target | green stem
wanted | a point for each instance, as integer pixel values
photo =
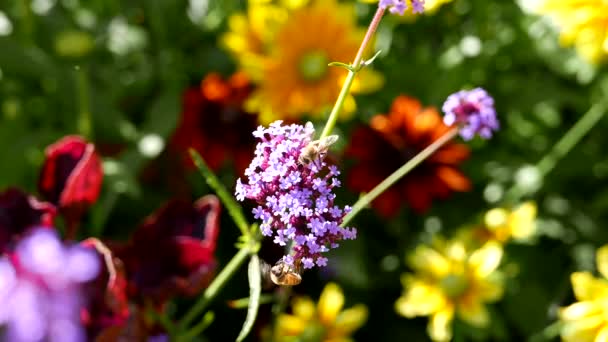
(571, 138)
(365, 200)
(234, 209)
(561, 148)
(214, 288)
(84, 111)
(333, 116)
(197, 328)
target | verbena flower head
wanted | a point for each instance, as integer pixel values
(473, 110)
(400, 6)
(295, 201)
(41, 289)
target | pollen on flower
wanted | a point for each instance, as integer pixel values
(473, 110)
(400, 6)
(295, 201)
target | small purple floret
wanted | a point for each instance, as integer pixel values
(295, 201)
(400, 6)
(473, 110)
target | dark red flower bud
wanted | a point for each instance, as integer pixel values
(19, 212)
(71, 177)
(172, 252)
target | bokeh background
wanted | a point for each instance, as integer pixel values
(117, 71)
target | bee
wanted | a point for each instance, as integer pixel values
(316, 150)
(282, 274)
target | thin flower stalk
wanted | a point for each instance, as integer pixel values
(365, 200)
(561, 148)
(352, 72)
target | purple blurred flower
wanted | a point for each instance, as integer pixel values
(41, 289)
(400, 6)
(295, 201)
(473, 110)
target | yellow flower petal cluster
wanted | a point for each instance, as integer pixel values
(325, 322)
(587, 319)
(450, 281)
(583, 25)
(504, 225)
(285, 48)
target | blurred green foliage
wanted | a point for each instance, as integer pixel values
(115, 71)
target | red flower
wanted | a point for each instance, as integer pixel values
(19, 212)
(172, 252)
(108, 304)
(393, 139)
(215, 124)
(71, 178)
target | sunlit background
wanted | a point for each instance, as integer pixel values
(145, 80)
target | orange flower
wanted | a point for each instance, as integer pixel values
(390, 141)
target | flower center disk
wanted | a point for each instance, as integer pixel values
(313, 66)
(454, 285)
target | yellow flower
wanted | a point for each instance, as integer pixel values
(587, 319)
(503, 225)
(286, 49)
(450, 280)
(583, 24)
(325, 322)
(430, 6)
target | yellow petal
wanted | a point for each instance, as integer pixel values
(580, 310)
(582, 330)
(491, 288)
(440, 325)
(570, 333)
(474, 313)
(428, 260)
(485, 260)
(586, 287)
(349, 108)
(420, 299)
(602, 336)
(303, 307)
(495, 218)
(367, 81)
(601, 259)
(350, 320)
(288, 325)
(522, 221)
(330, 303)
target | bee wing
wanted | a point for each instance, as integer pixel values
(329, 140)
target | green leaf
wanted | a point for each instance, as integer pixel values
(343, 65)
(234, 209)
(242, 303)
(371, 60)
(255, 289)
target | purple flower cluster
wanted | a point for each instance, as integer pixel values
(473, 110)
(295, 201)
(41, 289)
(400, 6)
